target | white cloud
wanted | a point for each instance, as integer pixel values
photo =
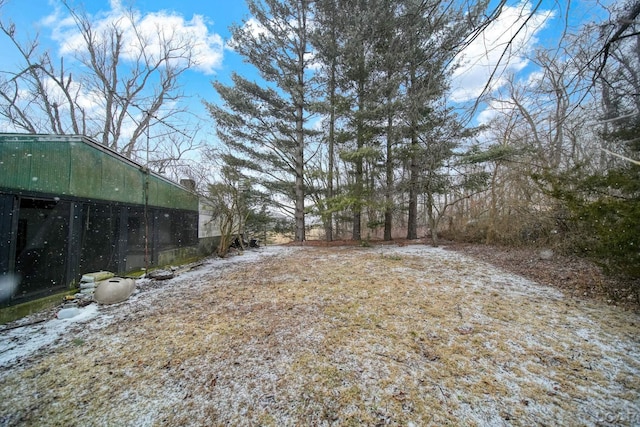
(501, 103)
(510, 31)
(256, 29)
(251, 26)
(494, 109)
(485, 116)
(154, 30)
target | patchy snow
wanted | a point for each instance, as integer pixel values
(408, 335)
(19, 343)
(25, 341)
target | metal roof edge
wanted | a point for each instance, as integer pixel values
(95, 144)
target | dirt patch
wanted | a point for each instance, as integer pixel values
(400, 335)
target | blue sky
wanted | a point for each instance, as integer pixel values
(210, 20)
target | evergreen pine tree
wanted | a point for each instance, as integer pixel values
(263, 123)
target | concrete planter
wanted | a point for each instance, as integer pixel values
(114, 290)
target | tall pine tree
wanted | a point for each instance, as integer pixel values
(263, 123)
(434, 33)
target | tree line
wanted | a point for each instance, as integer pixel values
(349, 121)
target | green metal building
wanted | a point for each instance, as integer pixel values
(70, 206)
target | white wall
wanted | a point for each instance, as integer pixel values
(206, 226)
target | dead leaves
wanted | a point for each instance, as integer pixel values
(575, 276)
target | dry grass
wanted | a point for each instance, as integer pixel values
(339, 336)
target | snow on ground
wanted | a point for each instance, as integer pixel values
(19, 343)
(408, 335)
(23, 342)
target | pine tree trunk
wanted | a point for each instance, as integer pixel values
(356, 232)
(433, 221)
(299, 99)
(300, 190)
(332, 123)
(412, 221)
(388, 210)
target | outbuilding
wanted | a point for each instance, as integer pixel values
(69, 205)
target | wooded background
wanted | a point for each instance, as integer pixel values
(351, 125)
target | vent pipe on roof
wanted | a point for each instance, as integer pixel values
(189, 184)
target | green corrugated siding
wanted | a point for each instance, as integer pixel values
(73, 166)
(36, 166)
(86, 170)
(15, 166)
(133, 180)
(112, 187)
(154, 192)
(183, 198)
(161, 194)
(50, 167)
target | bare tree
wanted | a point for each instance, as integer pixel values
(34, 97)
(120, 83)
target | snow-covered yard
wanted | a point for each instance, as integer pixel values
(282, 336)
